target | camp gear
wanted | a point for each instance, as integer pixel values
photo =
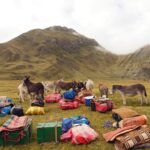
(139, 120)
(110, 136)
(68, 104)
(104, 105)
(17, 110)
(37, 103)
(35, 110)
(88, 100)
(70, 95)
(80, 134)
(53, 98)
(131, 139)
(16, 130)
(124, 112)
(108, 124)
(67, 123)
(93, 106)
(50, 131)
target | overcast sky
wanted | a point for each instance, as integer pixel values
(121, 26)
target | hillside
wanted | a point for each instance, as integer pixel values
(52, 53)
(135, 65)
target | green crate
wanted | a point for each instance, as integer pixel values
(13, 135)
(47, 132)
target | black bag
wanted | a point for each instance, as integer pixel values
(17, 110)
(37, 103)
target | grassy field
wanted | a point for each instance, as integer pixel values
(53, 113)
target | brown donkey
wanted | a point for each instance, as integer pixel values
(131, 90)
(103, 90)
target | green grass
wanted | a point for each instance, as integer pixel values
(53, 113)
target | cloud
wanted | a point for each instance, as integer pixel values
(120, 26)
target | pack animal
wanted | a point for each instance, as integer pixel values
(22, 92)
(62, 85)
(103, 90)
(89, 84)
(36, 88)
(131, 90)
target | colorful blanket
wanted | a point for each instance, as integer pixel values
(15, 123)
(110, 136)
(133, 138)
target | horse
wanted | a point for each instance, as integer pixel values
(62, 85)
(131, 90)
(89, 84)
(103, 90)
(22, 92)
(36, 88)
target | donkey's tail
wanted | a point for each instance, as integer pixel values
(145, 93)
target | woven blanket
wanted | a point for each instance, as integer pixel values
(15, 123)
(133, 138)
(110, 136)
(124, 112)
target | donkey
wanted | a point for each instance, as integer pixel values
(36, 88)
(103, 89)
(131, 90)
(89, 84)
(64, 85)
(22, 92)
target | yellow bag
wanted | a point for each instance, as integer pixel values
(35, 110)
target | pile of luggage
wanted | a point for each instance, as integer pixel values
(16, 130)
(132, 131)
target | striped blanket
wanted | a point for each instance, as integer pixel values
(131, 139)
(15, 123)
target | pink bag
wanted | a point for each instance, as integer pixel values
(80, 134)
(53, 98)
(68, 104)
(104, 106)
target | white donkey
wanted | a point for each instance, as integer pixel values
(23, 92)
(89, 85)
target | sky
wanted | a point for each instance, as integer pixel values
(120, 26)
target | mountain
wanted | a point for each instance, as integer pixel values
(135, 65)
(52, 53)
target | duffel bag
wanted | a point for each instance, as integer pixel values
(104, 106)
(37, 103)
(69, 94)
(17, 111)
(68, 105)
(67, 123)
(53, 98)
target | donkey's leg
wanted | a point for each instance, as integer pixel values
(145, 98)
(124, 99)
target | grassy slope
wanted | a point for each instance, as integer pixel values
(97, 119)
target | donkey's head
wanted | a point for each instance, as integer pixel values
(26, 79)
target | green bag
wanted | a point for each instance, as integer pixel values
(47, 132)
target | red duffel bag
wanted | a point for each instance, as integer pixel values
(68, 104)
(53, 98)
(104, 106)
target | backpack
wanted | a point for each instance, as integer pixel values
(104, 106)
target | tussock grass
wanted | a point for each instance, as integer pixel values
(53, 113)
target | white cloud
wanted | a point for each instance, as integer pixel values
(120, 26)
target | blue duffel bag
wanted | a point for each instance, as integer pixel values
(70, 95)
(67, 123)
(5, 110)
